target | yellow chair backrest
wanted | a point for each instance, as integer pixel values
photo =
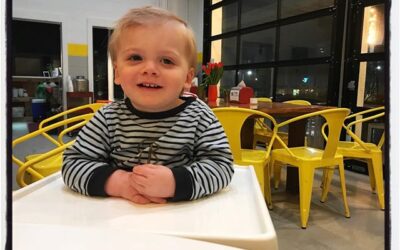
(88, 108)
(76, 121)
(334, 118)
(232, 120)
(81, 115)
(366, 115)
(298, 102)
(264, 99)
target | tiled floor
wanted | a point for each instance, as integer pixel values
(327, 227)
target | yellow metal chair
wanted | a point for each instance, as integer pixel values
(364, 151)
(40, 165)
(285, 138)
(262, 132)
(298, 102)
(307, 159)
(232, 120)
(264, 99)
(84, 109)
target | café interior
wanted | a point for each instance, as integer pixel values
(296, 76)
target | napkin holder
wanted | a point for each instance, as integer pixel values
(241, 95)
(234, 94)
(245, 94)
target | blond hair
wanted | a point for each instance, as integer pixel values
(149, 15)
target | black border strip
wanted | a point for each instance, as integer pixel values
(387, 126)
(8, 20)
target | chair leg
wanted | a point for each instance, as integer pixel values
(378, 175)
(372, 180)
(277, 174)
(344, 191)
(326, 183)
(306, 177)
(267, 186)
(323, 179)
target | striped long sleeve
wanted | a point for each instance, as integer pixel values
(188, 139)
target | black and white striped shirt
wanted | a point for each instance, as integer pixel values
(188, 139)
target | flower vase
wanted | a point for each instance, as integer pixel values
(212, 92)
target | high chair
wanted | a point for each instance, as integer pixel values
(364, 151)
(307, 159)
(40, 165)
(232, 120)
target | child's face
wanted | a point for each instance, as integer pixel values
(152, 66)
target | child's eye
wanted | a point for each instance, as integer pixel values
(166, 61)
(135, 58)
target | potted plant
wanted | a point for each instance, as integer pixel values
(212, 74)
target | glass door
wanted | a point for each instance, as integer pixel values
(103, 77)
(364, 78)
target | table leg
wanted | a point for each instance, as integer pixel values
(296, 138)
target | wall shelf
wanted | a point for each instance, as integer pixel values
(22, 99)
(56, 78)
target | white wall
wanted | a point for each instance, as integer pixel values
(74, 13)
(77, 17)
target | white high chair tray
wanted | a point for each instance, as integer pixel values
(236, 216)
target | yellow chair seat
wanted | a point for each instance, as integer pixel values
(45, 167)
(351, 146)
(299, 154)
(253, 156)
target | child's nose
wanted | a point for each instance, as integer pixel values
(150, 68)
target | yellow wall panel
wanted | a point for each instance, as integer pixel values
(75, 49)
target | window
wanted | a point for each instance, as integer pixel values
(309, 82)
(297, 7)
(308, 39)
(36, 47)
(257, 12)
(257, 46)
(276, 46)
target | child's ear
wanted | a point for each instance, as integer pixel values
(116, 74)
(189, 78)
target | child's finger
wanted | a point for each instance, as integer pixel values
(140, 199)
(141, 170)
(139, 179)
(157, 200)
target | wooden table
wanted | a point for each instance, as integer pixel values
(277, 110)
(236, 216)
